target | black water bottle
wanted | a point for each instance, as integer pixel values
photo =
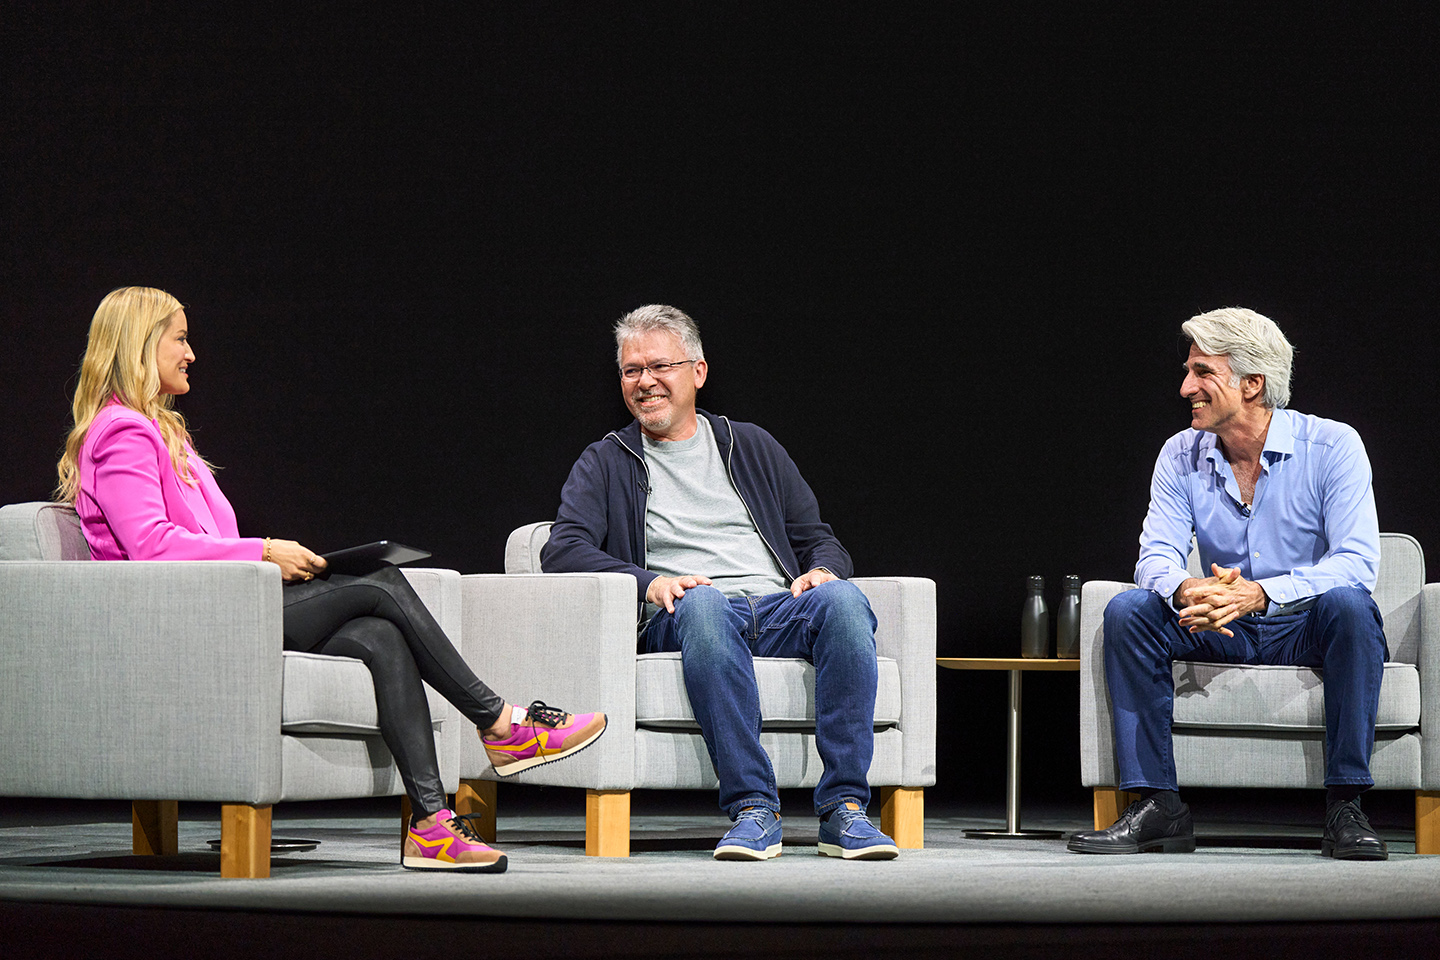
(1067, 620)
(1034, 620)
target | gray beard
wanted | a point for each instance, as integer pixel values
(658, 422)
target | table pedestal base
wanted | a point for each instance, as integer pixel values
(1014, 834)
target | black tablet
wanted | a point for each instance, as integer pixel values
(369, 557)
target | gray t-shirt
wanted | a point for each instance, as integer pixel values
(696, 523)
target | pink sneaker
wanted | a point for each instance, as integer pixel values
(452, 844)
(540, 735)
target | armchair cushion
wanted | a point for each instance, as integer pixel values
(522, 548)
(1217, 695)
(677, 760)
(41, 531)
(325, 694)
(787, 693)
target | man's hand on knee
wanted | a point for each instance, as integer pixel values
(812, 579)
(664, 591)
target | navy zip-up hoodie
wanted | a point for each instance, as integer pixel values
(601, 523)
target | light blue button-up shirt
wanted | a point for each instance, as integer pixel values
(1311, 528)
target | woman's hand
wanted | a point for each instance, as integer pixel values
(295, 561)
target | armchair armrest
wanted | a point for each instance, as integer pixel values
(115, 678)
(439, 590)
(1429, 664)
(905, 610)
(567, 639)
(1097, 733)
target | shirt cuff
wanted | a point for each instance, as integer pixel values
(1281, 591)
(1168, 584)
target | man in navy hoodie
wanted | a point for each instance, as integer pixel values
(732, 562)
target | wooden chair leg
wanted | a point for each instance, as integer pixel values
(155, 827)
(477, 798)
(1109, 804)
(244, 840)
(1427, 821)
(902, 816)
(607, 823)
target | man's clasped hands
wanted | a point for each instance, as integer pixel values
(1211, 602)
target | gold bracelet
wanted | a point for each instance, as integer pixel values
(266, 555)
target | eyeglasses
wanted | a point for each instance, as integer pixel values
(657, 370)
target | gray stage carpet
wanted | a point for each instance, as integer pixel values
(1238, 875)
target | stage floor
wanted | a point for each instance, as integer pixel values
(1244, 871)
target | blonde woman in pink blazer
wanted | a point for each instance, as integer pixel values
(143, 493)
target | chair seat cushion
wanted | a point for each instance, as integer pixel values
(787, 693)
(333, 695)
(1219, 695)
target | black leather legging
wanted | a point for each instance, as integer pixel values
(379, 619)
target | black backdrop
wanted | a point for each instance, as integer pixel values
(943, 258)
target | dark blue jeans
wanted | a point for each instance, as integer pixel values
(1342, 635)
(833, 627)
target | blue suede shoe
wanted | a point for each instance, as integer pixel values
(848, 833)
(754, 836)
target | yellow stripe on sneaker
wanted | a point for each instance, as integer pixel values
(516, 748)
(443, 842)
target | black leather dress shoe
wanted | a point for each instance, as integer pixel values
(1349, 836)
(1144, 827)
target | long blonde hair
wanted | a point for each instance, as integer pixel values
(120, 362)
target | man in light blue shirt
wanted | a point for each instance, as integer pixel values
(1281, 508)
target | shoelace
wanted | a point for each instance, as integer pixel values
(463, 824)
(546, 714)
(757, 814)
(1133, 811)
(1346, 812)
(848, 816)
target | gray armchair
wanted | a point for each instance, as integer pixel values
(159, 682)
(1264, 726)
(570, 638)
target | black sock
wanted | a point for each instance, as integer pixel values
(1343, 793)
(1169, 800)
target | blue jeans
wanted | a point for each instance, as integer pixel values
(718, 637)
(1342, 635)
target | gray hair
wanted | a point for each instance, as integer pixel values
(657, 316)
(1254, 345)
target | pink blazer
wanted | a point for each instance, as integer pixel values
(133, 506)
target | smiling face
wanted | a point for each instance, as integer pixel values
(665, 406)
(1214, 402)
(173, 355)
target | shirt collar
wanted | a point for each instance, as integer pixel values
(1279, 439)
